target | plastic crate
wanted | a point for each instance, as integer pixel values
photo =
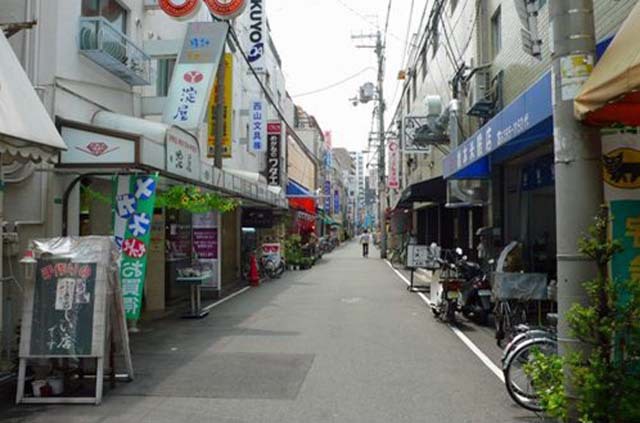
(519, 286)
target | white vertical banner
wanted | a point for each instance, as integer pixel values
(393, 155)
(257, 143)
(256, 37)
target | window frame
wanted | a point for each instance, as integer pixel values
(100, 4)
(496, 32)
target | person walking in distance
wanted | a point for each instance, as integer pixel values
(364, 240)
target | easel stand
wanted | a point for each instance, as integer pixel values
(73, 312)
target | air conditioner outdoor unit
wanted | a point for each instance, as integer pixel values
(479, 98)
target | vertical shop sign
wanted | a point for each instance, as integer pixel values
(328, 157)
(327, 196)
(626, 229)
(258, 115)
(135, 199)
(206, 245)
(183, 153)
(226, 113)
(336, 201)
(194, 73)
(256, 38)
(393, 151)
(274, 138)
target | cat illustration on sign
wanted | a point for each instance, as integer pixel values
(621, 170)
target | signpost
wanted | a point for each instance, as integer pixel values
(73, 308)
(422, 257)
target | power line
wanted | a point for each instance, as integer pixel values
(364, 18)
(335, 84)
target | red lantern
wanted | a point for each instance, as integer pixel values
(181, 9)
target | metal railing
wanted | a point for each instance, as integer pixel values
(104, 44)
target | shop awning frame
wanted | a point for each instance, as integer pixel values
(611, 94)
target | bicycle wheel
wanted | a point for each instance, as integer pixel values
(518, 383)
(524, 336)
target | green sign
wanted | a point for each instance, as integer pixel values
(63, 306)
(134, 201)
(626, 229)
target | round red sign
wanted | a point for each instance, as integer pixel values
(179, 8)
(193, 77)
(226, 9)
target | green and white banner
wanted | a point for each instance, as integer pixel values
(134, 202)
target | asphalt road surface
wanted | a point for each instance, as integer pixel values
(342, 342)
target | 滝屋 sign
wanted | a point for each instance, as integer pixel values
(258, 125)
(134, 201)
(274, 140)
(256, 35)
(194, 73)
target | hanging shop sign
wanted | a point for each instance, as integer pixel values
(258, 125)
(410, 128)
(226, 113)
(206, 245)
(183, 153)
(134, 200)
(393, 153)
(256, 35)
(327, 196)
(194, 73)
(226, 9)
(336, 201)
(328, 156)
(274, 163)
(180, 9)
(94, 147)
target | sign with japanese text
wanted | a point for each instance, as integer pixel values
(226, 113)
(274, 141)
(328, 156)
(91, 147)
(63, 308)
(183, 153)
(226, 9)
(393, 153)
(327, 196)
(256, 35)
(206, 245)
(257, 131)
(626, 229)
(134, 203)
(336, 201)
(194, 74)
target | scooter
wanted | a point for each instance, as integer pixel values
(475, 295)
(446, 305)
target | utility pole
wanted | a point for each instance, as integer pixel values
(579, 187)
(382, 195)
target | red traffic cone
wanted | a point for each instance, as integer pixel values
(254, 277)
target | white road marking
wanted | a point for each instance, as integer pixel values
(217, 303)
(473, 347)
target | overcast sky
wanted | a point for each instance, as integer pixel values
(313, 38)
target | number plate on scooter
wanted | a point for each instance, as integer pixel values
(452, 295)
(484, 292)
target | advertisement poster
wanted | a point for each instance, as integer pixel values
(206, 245)
(134, 203)
(63, 301)
(228, 109)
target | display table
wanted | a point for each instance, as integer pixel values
(195, 282)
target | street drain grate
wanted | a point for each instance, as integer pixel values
(223, 375)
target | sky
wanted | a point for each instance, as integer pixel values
(313, 38)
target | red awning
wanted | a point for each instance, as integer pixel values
(305, 204)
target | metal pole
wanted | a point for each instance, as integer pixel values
(381, 149)
(579, 187)
(219, 110)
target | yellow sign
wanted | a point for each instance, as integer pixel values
(228, 110)
(622, 168)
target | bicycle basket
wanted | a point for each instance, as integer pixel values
(519, 286)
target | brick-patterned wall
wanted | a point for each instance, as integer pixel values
(520, 70)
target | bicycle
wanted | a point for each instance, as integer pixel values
(509, 314)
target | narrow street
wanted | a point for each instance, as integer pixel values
(342, 342)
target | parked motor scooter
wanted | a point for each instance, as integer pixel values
(446, 304)
(475, 295)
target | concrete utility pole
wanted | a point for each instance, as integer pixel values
(382, 195)
(579, 187)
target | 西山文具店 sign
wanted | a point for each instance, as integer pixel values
(394, 164)
(194, 73)
(256, 35)
(183, 153)
(274, 140)
(134, 202)
(226, 113)
(258, 122)
(185, 9)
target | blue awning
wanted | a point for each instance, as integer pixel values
(295, 190)
(524, 124)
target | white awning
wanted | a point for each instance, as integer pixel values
(26, 130)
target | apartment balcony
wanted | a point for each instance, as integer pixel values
(110, 48)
